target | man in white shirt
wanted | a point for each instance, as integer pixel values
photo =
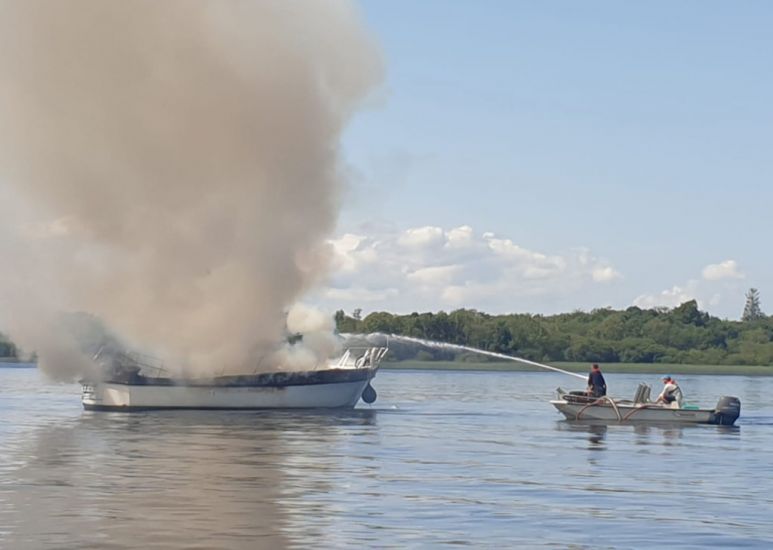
(671, 394)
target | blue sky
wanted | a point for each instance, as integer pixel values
(628, 137)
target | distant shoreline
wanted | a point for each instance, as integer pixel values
(615, 368)
(15, 363)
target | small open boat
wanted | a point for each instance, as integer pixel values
(129, 382)
(580, 406)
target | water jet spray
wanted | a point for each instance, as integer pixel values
(459, 347)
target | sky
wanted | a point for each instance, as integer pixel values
(544, 157)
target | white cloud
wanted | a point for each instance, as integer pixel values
(671, 297)
(348, 254)
(723, 270)
(430, 268)
(459, 237)
(454, 295)
(603, 274)
(530, 265)
(439, 275)
(719, 290)
(360, 294)
(421, 236)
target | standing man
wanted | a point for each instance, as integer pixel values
(597, 386)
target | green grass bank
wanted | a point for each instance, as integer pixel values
(633, 368)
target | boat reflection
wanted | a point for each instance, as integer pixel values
(597, 432)
(174, 479)
(644, 434)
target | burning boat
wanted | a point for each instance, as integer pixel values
(131, 382)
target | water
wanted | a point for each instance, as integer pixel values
(442, 458)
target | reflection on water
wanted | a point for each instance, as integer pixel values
(596, 431)
(596, 437)
(443, 459)
(155, 478)
(666, 433)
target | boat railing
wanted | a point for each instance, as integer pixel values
(153, 367)
(148, 365)
(362, 357)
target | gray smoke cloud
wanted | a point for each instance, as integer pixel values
(171, 167)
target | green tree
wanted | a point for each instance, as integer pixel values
(752, 310)
(7, 347)
(680, 335)
(381, 321)
(339, 317)
(346, 324)
(688, 313)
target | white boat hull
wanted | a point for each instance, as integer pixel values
(123, 397)
(634, 413)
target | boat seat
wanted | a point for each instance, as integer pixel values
(643, 392)
(578, 398)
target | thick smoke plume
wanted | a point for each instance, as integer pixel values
(171, 167)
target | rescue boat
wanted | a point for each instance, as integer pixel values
(579, 406)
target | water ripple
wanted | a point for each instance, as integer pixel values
(444, 459)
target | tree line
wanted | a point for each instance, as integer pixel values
(7, 348)
(683, 334)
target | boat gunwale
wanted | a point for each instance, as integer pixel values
(337, 375)
(677, 416)
(631, 406)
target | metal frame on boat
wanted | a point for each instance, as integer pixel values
(131, 382)
(578, 406)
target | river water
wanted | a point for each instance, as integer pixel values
(442, 458)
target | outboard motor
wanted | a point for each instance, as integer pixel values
(728, 409)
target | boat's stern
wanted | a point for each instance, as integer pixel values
(101, 395)
(92, 395)
(89, 392)
(727, 411)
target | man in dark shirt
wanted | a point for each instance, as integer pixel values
(597, 386)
